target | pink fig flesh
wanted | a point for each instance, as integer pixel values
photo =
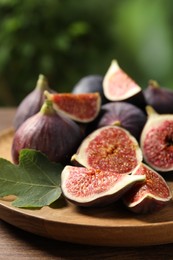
(149, 196)
(110, 148)
(90, 187)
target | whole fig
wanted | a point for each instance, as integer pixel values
(124, 114)
(47, 131)
(90, 84)
(160, 98)
(32, 103)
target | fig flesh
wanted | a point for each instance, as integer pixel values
(32, 103)
(82, 108)
(56, 136)
(150, 195)
(90, 84)
(156, 141)
(160, 98)
(126, 115)
(117, 85)
(90, 187)
(110, 148)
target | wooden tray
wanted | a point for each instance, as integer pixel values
(110, 226)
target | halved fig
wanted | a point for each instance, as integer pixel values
(117, 85)
(80, 107)
(90, 187)
(150, 195)
(110, 148)
(156, 141)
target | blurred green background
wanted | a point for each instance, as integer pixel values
(68, 39)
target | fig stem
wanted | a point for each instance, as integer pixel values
(150, 111)
(153, 83)
(47, 108)
(116, 123)
(48, 95)
(42, 82)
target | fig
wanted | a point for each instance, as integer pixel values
(160, 98)
(90, 187)
(49, 132)
(150, 195)
(119, 86)
(109, 148)
(90, 84)
(81, 108)
(32, 103)
(156, 141)
(124, 114)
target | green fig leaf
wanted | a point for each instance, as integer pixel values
(35, 181)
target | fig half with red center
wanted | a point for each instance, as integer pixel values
(156, 141)
(82, 108)
(110, 148)
(160, 98)
(90, 187)
(150, 195)
(119, 86)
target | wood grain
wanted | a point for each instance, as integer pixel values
(108, 226)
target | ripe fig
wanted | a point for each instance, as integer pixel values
(90, 84)
(82, 108)
(32, 103)
(109, 148)
(149, 195)
(156, 141)
(125, 114)
(160, 98)
(119, 86)
(90, 187)
(49, 132)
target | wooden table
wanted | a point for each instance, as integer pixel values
(18, 244)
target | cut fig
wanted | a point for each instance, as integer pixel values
(160, 98)
(90, 187)
(156, 141)
(110, 148)
(150, 195)
(117, 85)
(125, 114)
(79, 107)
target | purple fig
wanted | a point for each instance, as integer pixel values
(124, 114)
(32, 103)
(90, 187)
(49, 132)
(90, 84)
(160, 98)
(150, 195)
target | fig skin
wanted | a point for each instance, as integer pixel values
(156, 141)
(124, 114)
(160, 98)
(89, 187)
(150, 195)
(32, 103)
(90, 84)
(47, 131)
